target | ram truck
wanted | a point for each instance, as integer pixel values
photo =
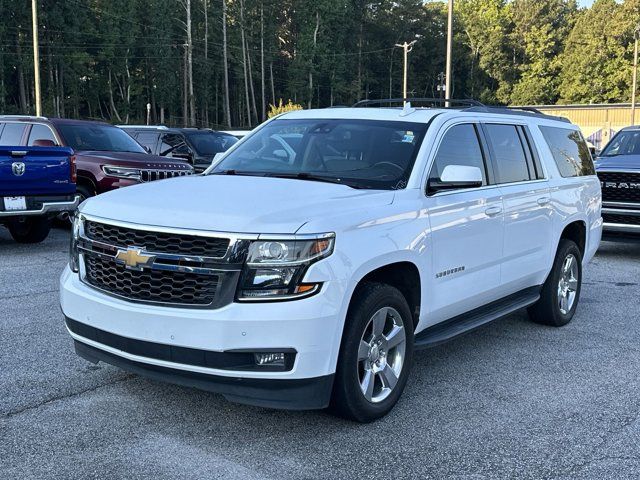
(36, 184)
(306, 277)
(618, 168)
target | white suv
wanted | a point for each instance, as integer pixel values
(306, 265)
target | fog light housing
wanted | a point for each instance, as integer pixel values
(270, 359)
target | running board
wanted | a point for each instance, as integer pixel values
(456, 326)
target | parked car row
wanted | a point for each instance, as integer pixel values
(93, 157)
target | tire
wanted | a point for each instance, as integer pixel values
(551, 309)
(378, 361)
(31, 230)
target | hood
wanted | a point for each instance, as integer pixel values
(138, 160)
(618, 162)
(238, 204)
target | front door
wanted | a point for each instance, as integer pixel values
(466, 230)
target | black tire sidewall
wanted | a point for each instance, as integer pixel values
(31, 230)
(348, 399)
(547, 310)
(567, 247)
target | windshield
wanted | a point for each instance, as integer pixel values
(358, 153)
(99, 137)
(210, 143)
(624, 143)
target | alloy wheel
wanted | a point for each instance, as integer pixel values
(381, 354)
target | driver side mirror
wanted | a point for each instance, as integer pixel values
(455, 177)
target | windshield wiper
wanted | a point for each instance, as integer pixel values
(232, 171)
(309, 176)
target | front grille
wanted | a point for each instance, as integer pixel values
(157, 241)
(620, 186)
(151, 285)
(623, 219)
(153, 175)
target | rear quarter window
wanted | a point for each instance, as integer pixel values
(569, 150)
(12, 134)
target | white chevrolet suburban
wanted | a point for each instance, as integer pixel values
(304, 267)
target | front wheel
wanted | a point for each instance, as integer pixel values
(375, 355)
(560, 293)
(30, 230)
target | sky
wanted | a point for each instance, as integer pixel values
(585, 3)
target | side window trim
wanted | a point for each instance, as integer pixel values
(533, 173)
(483, 152)
(541, 174)
(493, 153)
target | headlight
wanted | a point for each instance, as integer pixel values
(73, 246)
(122, 172)
(274, 268)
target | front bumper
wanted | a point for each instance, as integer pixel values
(300, 394)
(310, 327)
(45, 208)
(621, 219)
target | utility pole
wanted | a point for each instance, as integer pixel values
(36, 57)
(407, 47)
(636, 35)
(449, 78)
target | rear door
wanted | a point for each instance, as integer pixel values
(528, 215)
(466, 229)
(35, 171)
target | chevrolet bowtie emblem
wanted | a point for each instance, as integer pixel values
(134, 258)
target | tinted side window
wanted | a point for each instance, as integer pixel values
(508, 151)
(148, 139)
(41, 132)
(459, 146)
(569, 150)
(12, 134)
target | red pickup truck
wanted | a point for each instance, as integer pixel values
(106, 157)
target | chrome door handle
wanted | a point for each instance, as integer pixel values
(544, 200)
(493, 211)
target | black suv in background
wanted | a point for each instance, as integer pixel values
(618, 168)
(198, 146)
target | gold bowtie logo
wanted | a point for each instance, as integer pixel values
(133, 258)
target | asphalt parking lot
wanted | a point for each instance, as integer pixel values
(511, 400)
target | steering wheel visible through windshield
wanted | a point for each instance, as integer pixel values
(358, 153)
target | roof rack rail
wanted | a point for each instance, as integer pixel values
(24, 116)
(523, 111)
(435, 102)
(150, 127)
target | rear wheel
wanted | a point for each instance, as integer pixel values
(30, 230)
(561, 292)
(375, 355)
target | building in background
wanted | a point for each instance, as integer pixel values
(598, 122)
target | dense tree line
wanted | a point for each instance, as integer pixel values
(222, 62)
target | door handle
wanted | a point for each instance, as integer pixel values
(493, 211)
(543, 201)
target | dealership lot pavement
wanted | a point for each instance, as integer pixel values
(511, 400)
